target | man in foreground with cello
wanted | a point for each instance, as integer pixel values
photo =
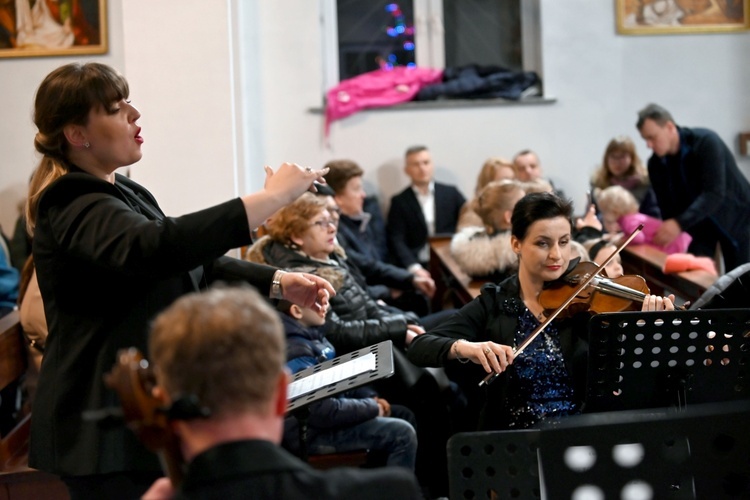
(226, 348)
(540, 372)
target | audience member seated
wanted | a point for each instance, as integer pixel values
(225, 347)
(599, 251)
(547, 380)
(8, 280)
(494, 169)
(20, 243)
(423, 209)
(353, 420)
(623, 167)
(33, 323)
(577, 250)
(394, 285)
(619, 212)
(302, 235)
(529, 169)
(344, 177)
(484, 252)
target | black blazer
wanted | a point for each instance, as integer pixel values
(108, 261)
(407, 228)
(261, 469)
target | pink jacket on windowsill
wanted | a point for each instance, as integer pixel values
(375, 89)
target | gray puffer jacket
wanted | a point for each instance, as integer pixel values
(354, 319)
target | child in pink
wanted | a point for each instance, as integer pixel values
(619, 210)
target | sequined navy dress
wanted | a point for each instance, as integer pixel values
(539, 385)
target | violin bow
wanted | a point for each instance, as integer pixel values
(528, 340)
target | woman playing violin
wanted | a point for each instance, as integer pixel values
(547, 379)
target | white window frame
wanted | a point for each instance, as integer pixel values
(428, 37)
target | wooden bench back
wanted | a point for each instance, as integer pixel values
(13, 365)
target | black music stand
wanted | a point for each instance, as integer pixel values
(671, 358)
(336, 375)
(494, 464)
(695, 453)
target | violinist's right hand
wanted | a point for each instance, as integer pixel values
(493, 357)
(162, 489)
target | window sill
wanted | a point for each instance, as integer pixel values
(455, 103)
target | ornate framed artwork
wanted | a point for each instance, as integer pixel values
(646, 17)
(34, 28)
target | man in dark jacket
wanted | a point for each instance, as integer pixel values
(423, 209)
(394, 285)
(698, 186)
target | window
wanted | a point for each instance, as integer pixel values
(363, 35)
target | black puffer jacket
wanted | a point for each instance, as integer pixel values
(354, 320)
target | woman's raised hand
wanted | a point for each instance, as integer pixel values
(290, 180)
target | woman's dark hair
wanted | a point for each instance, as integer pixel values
(538, 206)
(66, 96)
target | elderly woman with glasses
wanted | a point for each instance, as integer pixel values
(302, 235)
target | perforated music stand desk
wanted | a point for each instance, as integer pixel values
(341, 374)
(672, 358)
(696, 453)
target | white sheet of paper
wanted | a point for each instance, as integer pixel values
(332, 375)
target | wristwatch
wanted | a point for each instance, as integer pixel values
(276, 291)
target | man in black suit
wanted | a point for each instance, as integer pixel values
(226, 348)
(423, 209)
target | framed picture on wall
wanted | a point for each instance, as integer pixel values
(646, 17)
(34, 28)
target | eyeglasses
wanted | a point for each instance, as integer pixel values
(323, 224)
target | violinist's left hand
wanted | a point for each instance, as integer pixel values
(657, 303)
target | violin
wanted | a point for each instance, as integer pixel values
(134, 380)
(600, 295)
(586, 288)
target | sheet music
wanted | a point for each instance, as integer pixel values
(351, 368)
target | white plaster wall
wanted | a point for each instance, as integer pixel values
(179, 62)
(19, 79)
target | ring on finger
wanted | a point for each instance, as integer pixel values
(487, 350)
(308, 169)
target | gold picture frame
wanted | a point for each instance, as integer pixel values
(666, 17)
(40, 28)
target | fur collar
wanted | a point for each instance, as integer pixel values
(480, 254)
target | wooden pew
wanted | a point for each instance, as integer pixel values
(454, 287)
(648, 262)
(17, 480)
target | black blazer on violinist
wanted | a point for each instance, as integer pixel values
(108, 261)
(493, 316)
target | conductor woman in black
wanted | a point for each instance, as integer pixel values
(108, 260)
